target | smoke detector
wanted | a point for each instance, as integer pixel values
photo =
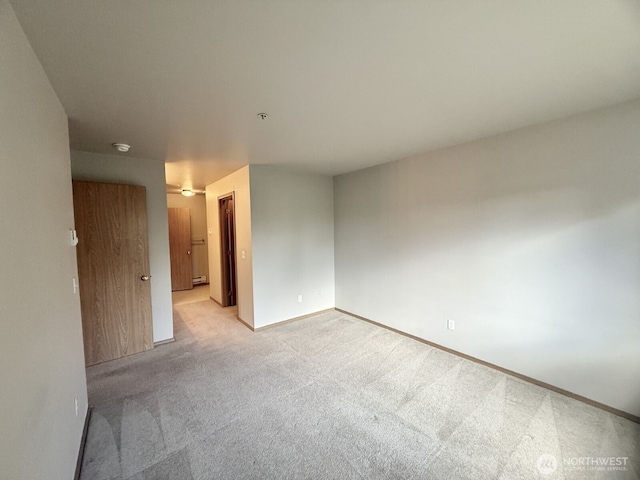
(263, 116)
(121, 147)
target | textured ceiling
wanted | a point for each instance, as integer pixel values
(347, 84)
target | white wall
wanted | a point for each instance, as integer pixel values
(198, 211)
(237, 182)
(41, 349)
(529, 240)
(150, 174)
(292, 237)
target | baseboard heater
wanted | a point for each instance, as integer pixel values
(199, 280)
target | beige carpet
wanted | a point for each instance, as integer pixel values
(199, 293)
(332, 397)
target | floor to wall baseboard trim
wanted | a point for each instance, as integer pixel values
(539, 383)
(294, 319)
(163, 342)
(216, 301)
(83, 441)
(250, 327)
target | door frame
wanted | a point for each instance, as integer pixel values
(225, 268)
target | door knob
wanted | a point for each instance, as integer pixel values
(145, 278)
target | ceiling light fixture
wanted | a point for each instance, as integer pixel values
(188, 193)
(121, 147)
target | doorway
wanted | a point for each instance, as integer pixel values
(226, 213)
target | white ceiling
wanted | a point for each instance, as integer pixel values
(347, 83)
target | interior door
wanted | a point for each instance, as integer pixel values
(113, 269)
(228, 250)
(180, 249)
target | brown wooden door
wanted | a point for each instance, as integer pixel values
(180, 249)
(228, 250)
(113, 269)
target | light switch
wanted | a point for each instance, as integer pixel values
(243, 255)
(75, 285)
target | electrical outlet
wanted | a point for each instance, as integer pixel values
(76, 402)
(299, 298)
(451, 324)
